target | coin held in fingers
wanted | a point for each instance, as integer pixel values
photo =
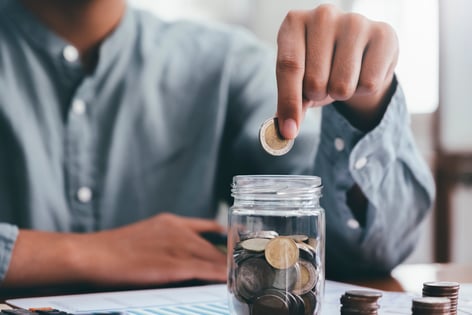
(271, 139)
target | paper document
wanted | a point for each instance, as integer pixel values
(201, 300)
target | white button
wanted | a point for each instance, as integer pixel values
(79, 107)
(353, 224)
(339, 144)
(84, 194)
(70, 53)
(361, 163)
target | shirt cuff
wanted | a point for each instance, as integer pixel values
(362, 157)
(378, 148)
(8, 235)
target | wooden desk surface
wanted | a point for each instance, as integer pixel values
(411, 277)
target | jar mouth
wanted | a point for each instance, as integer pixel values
(276, 187)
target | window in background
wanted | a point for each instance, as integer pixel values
(417, 25)
(213, 10)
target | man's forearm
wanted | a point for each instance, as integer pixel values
(140, 254)
(45, 258)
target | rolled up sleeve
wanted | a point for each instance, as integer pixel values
(393, 176)
(8, 235)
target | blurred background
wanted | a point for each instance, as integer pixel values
(435, 72)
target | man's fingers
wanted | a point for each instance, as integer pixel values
(204, 250)
(176, 270)
(351, 40)
(290, 70)
(205, 270)
(319, 52)
(379, 61)
(187, 238)
(202, 225)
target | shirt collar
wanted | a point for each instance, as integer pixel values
(45, 39)
(35, 31)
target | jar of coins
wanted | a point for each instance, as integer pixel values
(276, 243)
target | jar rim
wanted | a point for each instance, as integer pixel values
(277, 186)
(314, 180)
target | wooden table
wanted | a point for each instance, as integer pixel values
(411, 277)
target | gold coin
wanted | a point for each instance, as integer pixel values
(271, 139)
(255, 244)
(308, 278)
(282, 252)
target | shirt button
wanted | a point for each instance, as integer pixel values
(79, 107)
(361, 163)
(353, 224)
(84, 194)
(70, 53)
(339, 144)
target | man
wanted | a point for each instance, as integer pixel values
(120, 134)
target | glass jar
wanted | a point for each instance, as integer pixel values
(276, 245)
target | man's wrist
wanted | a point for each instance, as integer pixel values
(366, 112)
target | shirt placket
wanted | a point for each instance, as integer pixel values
(78, 150)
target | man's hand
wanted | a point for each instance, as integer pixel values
(157, 251)
(164, 249)
(326, 55)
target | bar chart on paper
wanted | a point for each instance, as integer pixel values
(197, 309)
(209, 300)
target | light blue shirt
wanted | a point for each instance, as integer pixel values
(170, 114)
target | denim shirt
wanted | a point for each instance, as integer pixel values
(169, 115)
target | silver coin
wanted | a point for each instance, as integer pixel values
(286, 279)
(255, 244)
(308, 253)
(299, 238)
(258, 234)
(271, 139)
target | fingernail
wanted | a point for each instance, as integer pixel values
(290, 129)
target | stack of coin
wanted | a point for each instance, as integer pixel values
(431, 306)
(443, 289)
(275, 275)
(360, 302)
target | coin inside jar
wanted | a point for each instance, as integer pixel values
(271, 139)
(308, 278)
(253, 276)
(255, 244)
(286, 279)
(310, 303)
(282, 252)
(258, 234)
(274, 303)
(299, 238)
